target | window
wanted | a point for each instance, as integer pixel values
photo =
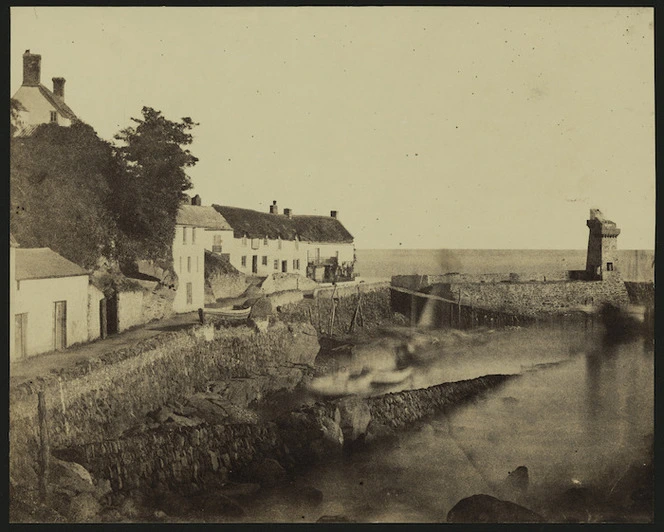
(244, 240)
(264, 260)
(609, 266)
(193, 235)
(189, 264)
(297, 264)
(54, 117)
(279, 243)
(255, 243)
(244, 261)
(216, 244)
(184, 235)
(265, 241)
(276, 264)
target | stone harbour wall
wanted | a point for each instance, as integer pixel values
(531, 299)
(105, 396)
(184, 454)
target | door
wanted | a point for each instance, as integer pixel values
(254, 264)
(112, 314)
(60, 326)
(21, 335)
(190, 294)
(103, 331)
(284, 266)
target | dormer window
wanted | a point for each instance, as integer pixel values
(265, 241)
(54, 117)
(244, 240)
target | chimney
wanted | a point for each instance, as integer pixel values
(59, 88)
(288, 213)
(334, 214)
(196, 200)
(273, 208)
(31, 68)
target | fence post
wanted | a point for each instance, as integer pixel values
(44, 445)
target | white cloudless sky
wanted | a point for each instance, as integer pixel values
(425, 127)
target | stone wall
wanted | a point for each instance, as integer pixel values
(183, 454)
(532, 299)
(225, 285)
(103, 397)
(130, 309)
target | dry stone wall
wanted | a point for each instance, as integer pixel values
(184, 454)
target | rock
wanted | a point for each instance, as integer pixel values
(487, 509)
(261, 309)
(160, 515)
(173, 504)
(70, 476)
(355, 416)
(130, 508)
(575, 505)
(83, 508)
(269, 472)
(102, 488)
(518, 479)
(261, 324)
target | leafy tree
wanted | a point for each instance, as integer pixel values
(146, 196)
(15, 108)
(59, 188)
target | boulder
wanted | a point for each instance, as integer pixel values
(83, 508)
(488, 509)
(70, 476)
(355, 417)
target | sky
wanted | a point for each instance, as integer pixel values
(425, 127)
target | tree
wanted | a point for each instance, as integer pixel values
(15, 108)
(146, 197)
(59, 188)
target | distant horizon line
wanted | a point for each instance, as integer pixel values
(492, 249)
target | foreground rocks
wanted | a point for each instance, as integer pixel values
(488, 509)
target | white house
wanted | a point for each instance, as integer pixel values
(194, 229)
(318, 247)
(40, 105)
(50, 302)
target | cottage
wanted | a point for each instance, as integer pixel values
(37, 104)
(50, 301)
(262, 243)
(196, 229)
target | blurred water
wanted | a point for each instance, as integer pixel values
(579, 422)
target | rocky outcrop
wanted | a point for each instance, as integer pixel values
(488, 509)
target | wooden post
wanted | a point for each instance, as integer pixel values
(334, 309)
(44, 445)
(459, 309)
(413, 310)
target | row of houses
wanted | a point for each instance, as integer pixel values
(54, 303)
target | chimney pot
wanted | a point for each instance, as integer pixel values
(196, 200)
(288, 213)
(31, 68)
(273, 208)
(59, 88)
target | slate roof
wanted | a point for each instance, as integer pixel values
(257, 224)
(44, 263)
(201, 216)
(12, 241)
(56, 102)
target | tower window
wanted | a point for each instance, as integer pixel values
(54, 116)
(609, 266)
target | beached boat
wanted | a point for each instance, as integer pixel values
(229, 312)
(391, 376)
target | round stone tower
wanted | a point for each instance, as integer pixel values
(602, 260)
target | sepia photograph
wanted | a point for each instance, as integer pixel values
(331, 264)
